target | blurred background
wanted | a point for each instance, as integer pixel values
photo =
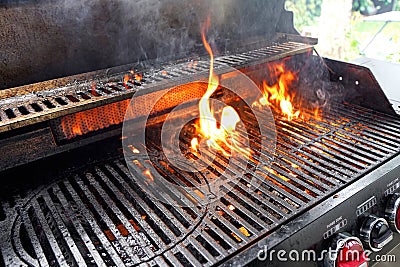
(350, 29)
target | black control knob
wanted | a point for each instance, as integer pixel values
(375, 233)
(392, 212)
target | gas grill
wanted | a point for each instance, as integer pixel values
(78, 190)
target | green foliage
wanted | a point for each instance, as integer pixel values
(371, 7)
(306, 12)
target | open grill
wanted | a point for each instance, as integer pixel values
(95, 210)
(101, 216)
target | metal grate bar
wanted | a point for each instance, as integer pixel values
(209, 258)
(370, 146)
(167, 188)
(105, 217)
(62, 228)
(94, 225)
(168, 255)
(274, 213)
(52, 241)
(139, 221)
(312, 144)
(126, 172)
(210, 244)
(260, 177)
(373, 134)
(367, 124)
(292, 159)
(252, 224)
(132, 200)
(121, 216)
(89, 243)
(42, 260)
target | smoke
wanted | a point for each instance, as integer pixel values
(124, 31)
(314, 87)
(56, 38)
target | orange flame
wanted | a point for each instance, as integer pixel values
(195, 144)
(279, 97)
(220, 137)
(127, 78)
(138, 77)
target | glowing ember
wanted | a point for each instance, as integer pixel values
(134, 149)
(221, 137)
(93, 88)
(127, 78)
(138, 77)
(244, 231)
(149, 175)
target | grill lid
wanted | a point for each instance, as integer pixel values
(42, 40)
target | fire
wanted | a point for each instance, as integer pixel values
(195, 144)
(134, 149)
(138, 77)
(280, 98)
(219, 136)
(132, 77)
(127, 78)
(277, 95)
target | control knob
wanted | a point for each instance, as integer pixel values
(375, 233)
(392, 212)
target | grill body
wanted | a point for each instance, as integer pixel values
(71, 198)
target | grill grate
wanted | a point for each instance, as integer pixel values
(102, 216)
(22, 110)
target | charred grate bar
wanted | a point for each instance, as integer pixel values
(18, 110)
(102, 216)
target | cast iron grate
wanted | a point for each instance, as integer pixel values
(101, 216)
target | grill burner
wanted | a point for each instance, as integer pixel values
(101, 216)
